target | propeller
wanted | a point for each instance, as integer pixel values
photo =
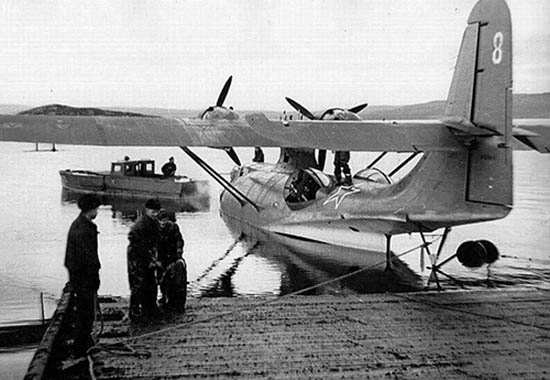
(229, 114)
(221, 98)
(349, 114)
(233, 155)
(358, 108)
(224, 92)
(300, 108)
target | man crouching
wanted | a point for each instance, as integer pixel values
(172, 274)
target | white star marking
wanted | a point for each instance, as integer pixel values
(339, 195)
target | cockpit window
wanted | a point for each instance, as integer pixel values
(321, 178)
(373, 175)
(303, 185)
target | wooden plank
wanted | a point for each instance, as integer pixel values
(481, 334)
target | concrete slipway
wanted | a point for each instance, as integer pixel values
(484, 334)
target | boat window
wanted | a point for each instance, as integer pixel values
(147, 169)
(116, 169)
(303, 185)
(128, 169)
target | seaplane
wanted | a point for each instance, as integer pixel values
(464, 174)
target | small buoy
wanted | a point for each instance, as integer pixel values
(492, 251)
(471, 254)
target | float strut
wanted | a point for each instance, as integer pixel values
(388, 253)
(436, 267)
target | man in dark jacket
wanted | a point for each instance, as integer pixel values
(169, 168)
(82, 262)
(142, 262)
(341, 164)
(170, 250)
(258, 155)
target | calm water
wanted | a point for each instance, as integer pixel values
(35, 220)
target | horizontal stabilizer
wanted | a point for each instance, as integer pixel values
(535, 134)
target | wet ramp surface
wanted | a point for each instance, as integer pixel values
(453, 335)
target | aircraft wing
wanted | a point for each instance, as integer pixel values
(256, 130)
(396, 136)
(129, 131)
(533, 133)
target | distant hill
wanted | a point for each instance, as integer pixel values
(526, 106)
(531, 106)
(60, 109)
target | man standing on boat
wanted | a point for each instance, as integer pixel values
(169, 168)
(82, 262)
(142, 262)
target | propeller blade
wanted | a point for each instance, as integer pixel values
(358, 108)
(231, 153)
(209, 109)
(298, 107)
(224, 92)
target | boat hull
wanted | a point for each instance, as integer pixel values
(187, 194)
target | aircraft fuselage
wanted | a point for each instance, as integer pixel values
(431, 196)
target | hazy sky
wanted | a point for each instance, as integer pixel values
(179, 53)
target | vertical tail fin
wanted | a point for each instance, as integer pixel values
(481, 96)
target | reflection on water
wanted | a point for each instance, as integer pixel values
(130, 209)
(36, 220)
(298, 272)
(295, 271)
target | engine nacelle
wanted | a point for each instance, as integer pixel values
(474, 254)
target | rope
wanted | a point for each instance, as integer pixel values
(266, 302)
(490, 316)
(128, 350)
(542, 261)
(217, 261)
(91, 366)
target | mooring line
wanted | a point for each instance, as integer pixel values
(490, 316)
(530, 259)
(263, 303)
(219, 260)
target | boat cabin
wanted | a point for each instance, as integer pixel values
(133, 168)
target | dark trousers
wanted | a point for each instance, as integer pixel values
(341, 160)
(85, 304)
(174, 285)
(143, 297)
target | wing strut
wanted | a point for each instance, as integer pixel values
(405, 162)
(377, 159)
(239, 196)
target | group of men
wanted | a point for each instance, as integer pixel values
(154, 257)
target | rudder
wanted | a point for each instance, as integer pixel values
(480, 99)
